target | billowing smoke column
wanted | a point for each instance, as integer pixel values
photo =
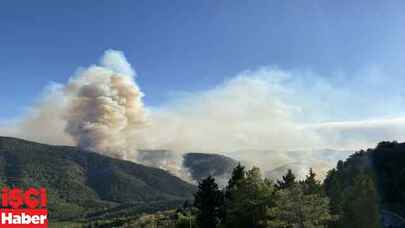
(105, 107)
(99, 109)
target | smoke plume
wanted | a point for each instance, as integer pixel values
(99, 109)
(104, 107)
(264, 117)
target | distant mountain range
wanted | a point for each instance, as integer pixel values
(82, 183)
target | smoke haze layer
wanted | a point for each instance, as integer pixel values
(265, 117)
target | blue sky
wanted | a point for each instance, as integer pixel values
(196, 45)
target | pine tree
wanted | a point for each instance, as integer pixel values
(238, 174)
(333, 187)
(250, 201)
(361, 207)
(287, 181)
(311, 184)
(296, 209)
(209, 201)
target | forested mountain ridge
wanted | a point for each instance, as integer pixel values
(81, 182)
(202, 165)
(377, 175)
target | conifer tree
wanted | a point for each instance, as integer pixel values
(334, 189)
(361, 207)
(295, 209)
(238, 174)
(287, 181)
(209, 202)
(249, 203)
(311, 184)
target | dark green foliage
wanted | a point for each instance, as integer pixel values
(311, 184)
(250, 198)
(352, 192)
(208, 200)
(334, 190)
(80, 182)
(234, 182)
(254, 203)
(361, 209)
(388, 162)
(287, 180)
(295, 208)
(238, 175)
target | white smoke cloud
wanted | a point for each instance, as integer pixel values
(104, 107)
(264, 117)
(99, 109)
(244, 113)
(44, 121)
(116, 61)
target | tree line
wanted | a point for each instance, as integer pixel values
(251, 201)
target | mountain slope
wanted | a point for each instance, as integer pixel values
(199, 165)
(80, 182)
(203, 165)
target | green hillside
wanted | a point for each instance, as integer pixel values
(82, 183)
